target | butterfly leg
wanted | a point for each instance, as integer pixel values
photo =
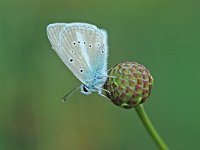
(99, 89)
(101, 77)
(110, 69)
(100, 93)
(106, 91)
(111, 76)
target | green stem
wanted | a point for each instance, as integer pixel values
(150, 128)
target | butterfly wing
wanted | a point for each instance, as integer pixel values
(78, 45)
(97, 50)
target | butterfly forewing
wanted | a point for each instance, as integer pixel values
(53, 33)
(82, 47)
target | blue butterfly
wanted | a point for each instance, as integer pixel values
(83, 49)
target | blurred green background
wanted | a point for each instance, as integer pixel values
(162, 35)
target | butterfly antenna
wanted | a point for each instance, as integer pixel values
(64, 98)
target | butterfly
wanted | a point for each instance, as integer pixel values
(83, 49)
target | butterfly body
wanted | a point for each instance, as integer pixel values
(83, 49)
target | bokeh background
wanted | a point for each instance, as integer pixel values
(162, 35)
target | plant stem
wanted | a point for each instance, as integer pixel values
(150, 128)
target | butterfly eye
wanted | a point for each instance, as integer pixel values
(72, 51)
(78, 41)
(85, 89)
(102, 51)
(84, 42)
(81, 70)
(74, 43)
(90, 45)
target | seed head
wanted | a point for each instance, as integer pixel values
(129, 84)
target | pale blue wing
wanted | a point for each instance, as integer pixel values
(82, 47)
(98, 51)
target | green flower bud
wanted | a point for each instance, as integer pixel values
(129, 84)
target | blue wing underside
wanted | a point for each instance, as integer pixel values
(83, 49)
